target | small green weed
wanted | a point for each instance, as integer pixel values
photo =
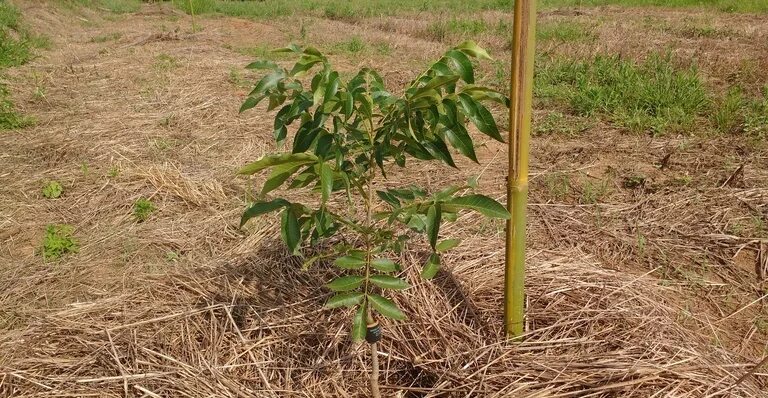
(113, 172)
(354, 45)
(558, 185)
(445, 30)
(52, 190)
(106, 37)
(58, 241)
(165, 62)
(556, 123)
(593, 191)
(142, 209)
(565, 31)
(171, 256)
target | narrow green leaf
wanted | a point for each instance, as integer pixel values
(326, 181)
(459, 138)
(344, 300)
(384, 265)
(389, 282)
(480, 116)
(349, 262)
(279, 175)
(385, 307)
(446, 245)
(439, 81)
(345, 283)
(273, 160)
(359, 324)
(389, 198)
(262, 64)
(431, 267)
(471, 48)
(260, 208)
(251, 102)
(459, 62)
(480, 203)
(433, 224)
(290, 230)
(268, 82)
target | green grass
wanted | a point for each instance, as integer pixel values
(447, 29)
(115, 6)
(58, 241)
(565, 31)
(352, 10)
(652, 96)
(102, 38)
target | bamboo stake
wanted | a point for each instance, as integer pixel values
(521, 96)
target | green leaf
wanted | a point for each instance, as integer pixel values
(389, 282)
(431, 267)
(459, 62)
(344, 300)
(326, 181)
(480, 116)
(359, 324)
(389, 198)
(262, 64)
(260, 208)
(290, 230)
(279, 175)
(385, 307)
(251, 102)
(384, 265)
(349, 262)
(473, 50)
(459, 138)
(446, 245)
(345, 283)
(439, 81)
(273, 160)
(433, 224)
(268, 82)
(480, 203)
(485, 94)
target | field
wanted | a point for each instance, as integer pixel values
(123, 271)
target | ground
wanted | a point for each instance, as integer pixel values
(648, 236)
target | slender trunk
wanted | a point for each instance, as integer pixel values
(375, 371)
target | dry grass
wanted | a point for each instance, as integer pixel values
(656, 290)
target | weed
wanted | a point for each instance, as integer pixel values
(84, 168)
(558, 185)
(443, 30)
(728, 117)
(102, 38)
(634, 181)
(52, 190)
(592, 192)
(651, 96)
(58, 241)
(9, 118)
(165, 62)
(354, 45)
(113, 172)
(683, 180)
(383, 48)
(142, 208)
(565, 31)
(556, 123)
(171, 256)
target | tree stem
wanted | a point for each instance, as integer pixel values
(375, 371)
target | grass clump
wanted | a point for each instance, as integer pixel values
(565, 31)
(652, 96)
(142, 209)
(115, 6)
(443, 30)
(355, 45)
(52, 190)
(103, 38)
(58, 241)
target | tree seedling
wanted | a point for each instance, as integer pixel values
(351, 134)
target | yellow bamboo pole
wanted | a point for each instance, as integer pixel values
(521, 97)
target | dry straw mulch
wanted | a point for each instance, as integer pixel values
(255, 327)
